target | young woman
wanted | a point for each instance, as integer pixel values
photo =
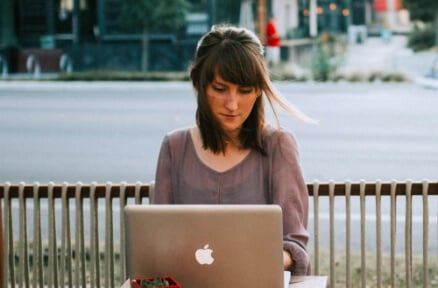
(232, 156)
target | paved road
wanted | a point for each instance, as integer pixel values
(112, 131)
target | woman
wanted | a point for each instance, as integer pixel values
(232, 156)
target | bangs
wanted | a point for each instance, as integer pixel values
(235, 64)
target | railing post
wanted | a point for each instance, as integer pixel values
(109, 245)
(316, 225)
(124, 272)
(37, 241)
(332, 234)
(79, 245)
(408, 235)
(94, 247)
(53, 255)
(2, 244)
(348, 231)
(66, 264)
(378, 232)
(23, 252)
(9, 239)
(425, 234)
(393, 229)
(137, 193)
(362, 234)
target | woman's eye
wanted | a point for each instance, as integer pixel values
(218, 89)
(246, 90)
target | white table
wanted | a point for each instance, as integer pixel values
(295, 282)
(308, 282)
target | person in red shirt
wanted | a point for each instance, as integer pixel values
(273, 42)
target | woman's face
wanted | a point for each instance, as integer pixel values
(230, 104)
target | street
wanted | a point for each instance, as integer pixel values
(112, 131)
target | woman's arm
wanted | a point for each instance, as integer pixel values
(290, 192)
(163, 175)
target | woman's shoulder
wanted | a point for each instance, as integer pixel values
(178, 135)
(176, 140)
(271, 133)
(279, 139)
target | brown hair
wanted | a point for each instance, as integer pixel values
(236, 54)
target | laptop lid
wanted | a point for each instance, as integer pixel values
(206, 245)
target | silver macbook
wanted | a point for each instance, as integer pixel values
(201, 246)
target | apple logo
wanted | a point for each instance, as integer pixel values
(203, 255)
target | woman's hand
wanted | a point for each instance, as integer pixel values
(287, 260)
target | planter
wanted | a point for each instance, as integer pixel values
(136, 283)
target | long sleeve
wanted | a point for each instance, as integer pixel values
(163, 176)
(289, 190)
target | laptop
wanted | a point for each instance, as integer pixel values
(212, 246)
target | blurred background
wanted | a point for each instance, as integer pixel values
(47, 36)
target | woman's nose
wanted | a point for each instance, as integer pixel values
(231, 100)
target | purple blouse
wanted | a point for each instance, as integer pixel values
(182, 178)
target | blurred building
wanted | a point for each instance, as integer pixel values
(89, 34)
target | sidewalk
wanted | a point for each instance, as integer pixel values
(374, 55)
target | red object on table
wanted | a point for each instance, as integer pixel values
(136, 283)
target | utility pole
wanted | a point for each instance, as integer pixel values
(313, 19)
(212, 13)
(261, 9)
(76, 22)
(8, 36)
(436, 28)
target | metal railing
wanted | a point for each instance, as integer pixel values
(77, 230)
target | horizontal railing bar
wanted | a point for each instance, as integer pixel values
(323, 189)
(370, 188)
(100, 192)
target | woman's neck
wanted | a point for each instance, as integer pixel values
(233, 140)
(219, 162)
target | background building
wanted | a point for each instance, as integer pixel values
(91, 34)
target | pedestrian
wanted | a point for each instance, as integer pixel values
(232, 155)
(273, 42)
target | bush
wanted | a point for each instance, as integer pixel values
(394, 77)
(327, 58)
(375, 76)
(356, 77)
(107, 75)
(421, 38)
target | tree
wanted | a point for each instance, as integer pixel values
(424, 10)
(153, 15)
(7, 19)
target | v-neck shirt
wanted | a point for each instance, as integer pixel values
(182, 178)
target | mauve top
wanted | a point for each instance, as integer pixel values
(182, 178)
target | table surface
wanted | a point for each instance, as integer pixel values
(308, 282)
(295, 282)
